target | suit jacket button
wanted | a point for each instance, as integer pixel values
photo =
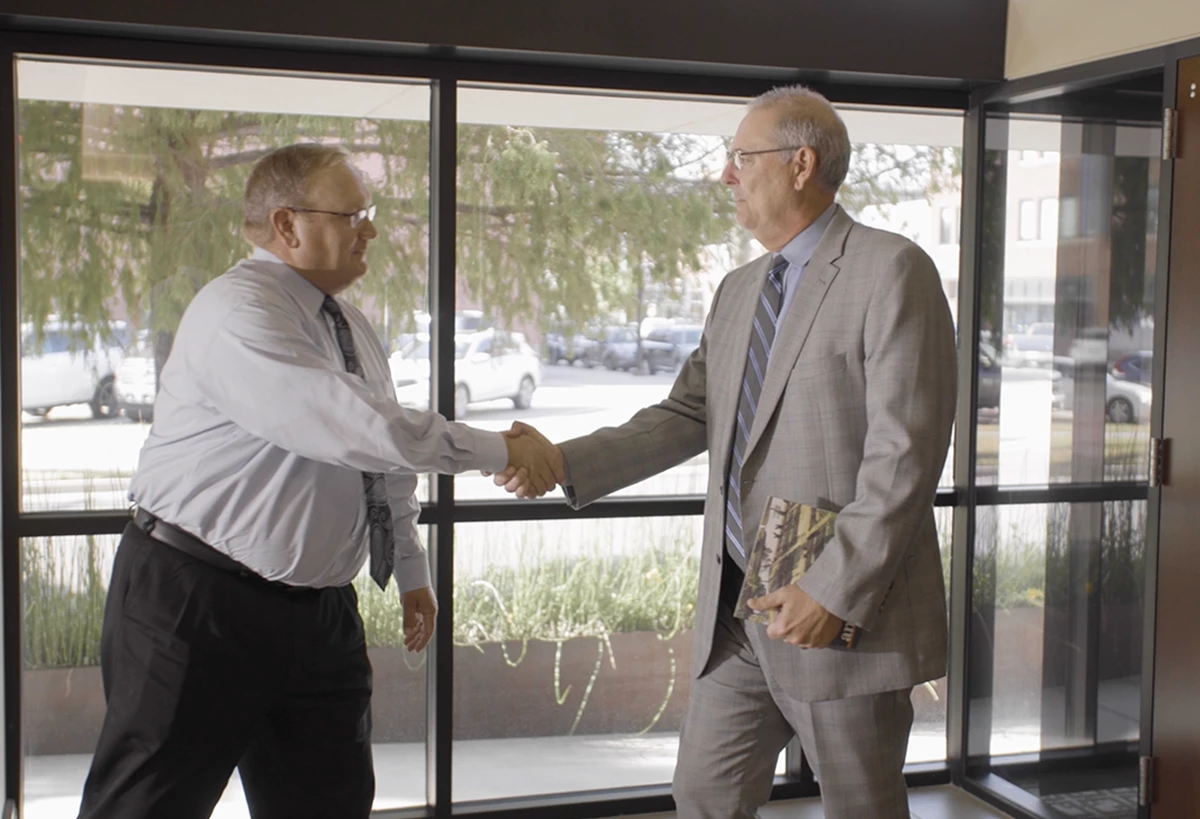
(718, 559)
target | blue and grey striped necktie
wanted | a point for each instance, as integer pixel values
(766, 317)
(379, 514)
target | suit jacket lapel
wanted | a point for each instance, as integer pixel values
(793, 331)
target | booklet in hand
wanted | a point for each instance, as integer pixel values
(790, 538)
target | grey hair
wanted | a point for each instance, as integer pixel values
(280, 179)
(807, 119)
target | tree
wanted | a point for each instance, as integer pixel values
(141, 207)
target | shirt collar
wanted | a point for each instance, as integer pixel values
(301, 289)
(800, 249)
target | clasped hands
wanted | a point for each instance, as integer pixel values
(535, 466)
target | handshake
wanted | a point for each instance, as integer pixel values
(535, 466)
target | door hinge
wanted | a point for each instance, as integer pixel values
(1145, 780)
(1170, 118)
(1158, 462)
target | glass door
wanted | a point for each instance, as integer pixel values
(1068, 250)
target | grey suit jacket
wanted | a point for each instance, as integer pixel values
(856, 410)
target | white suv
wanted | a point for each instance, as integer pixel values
(70, 365)
(488, 364)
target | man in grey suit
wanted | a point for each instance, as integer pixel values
(825, 375)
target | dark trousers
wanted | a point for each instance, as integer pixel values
(205, 670)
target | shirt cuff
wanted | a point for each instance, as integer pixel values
(412, 572)
(569, 486)
(491, 450)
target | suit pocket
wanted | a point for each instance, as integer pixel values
(828, 365)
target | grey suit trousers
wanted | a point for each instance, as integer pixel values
(738, 721)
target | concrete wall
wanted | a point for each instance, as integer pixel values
(1047, 34)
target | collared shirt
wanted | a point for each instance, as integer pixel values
(261, 436)
(799, 252)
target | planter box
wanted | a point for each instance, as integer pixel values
(64, 707)
(497, 698)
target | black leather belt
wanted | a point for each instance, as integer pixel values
(194, 547)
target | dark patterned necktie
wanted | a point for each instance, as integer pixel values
(379, 514)
(766, 316)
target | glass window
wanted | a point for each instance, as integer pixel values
(1061, 407)
(1029, 220)
(1048, 228)
(927, 740)
(555, 241)
(131, 180)
(1056, 624)
(949, 226)
(1068, 226)
(583, 630)
(64, 584)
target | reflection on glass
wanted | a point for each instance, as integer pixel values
(1056, 627)
(131, 181)
(1069, 243)
(573, 641)
(593, 231)
(64, 584)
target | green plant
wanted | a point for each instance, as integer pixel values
(64, 591)
(555, 599)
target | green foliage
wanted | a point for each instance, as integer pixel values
(1018, 569)
(562, 227)
(143, 207)
(63, 602)
(881, 175)
(554, 599)
(557, 599)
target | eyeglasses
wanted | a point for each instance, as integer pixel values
(357, 217)
(738, 157)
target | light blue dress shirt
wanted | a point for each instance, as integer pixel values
(260, 436)
(799, 252)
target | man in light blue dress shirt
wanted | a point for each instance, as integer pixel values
(277, 460)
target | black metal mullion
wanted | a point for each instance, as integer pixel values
(10, 424)
(112, 522)
(1060, 493)
(1162, 286)
(443, 141)
(966, 444)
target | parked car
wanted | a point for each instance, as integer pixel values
(62, 367)
(136, 381)
(1031, 347)
(561, 349)
(1125, 402)
(488, 364)
(1134, 366)
(667, 347)
(616, 350)
(990, 377)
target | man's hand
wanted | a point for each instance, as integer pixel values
(534, 464)
(797, 619)
(420, 613)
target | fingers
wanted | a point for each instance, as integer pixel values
(535, 465)
(420, 617)
(423, 634)
(554, 454)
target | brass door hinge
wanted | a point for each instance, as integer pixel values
(1145, 780)
(1158, 462)
(1169, 121)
